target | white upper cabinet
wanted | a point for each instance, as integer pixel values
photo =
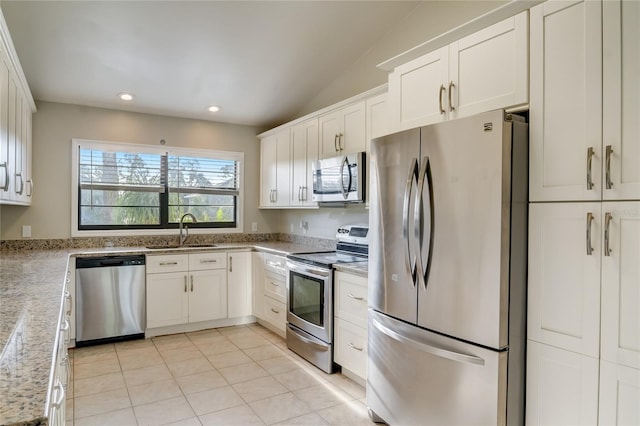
(343, 131)
(566, 101)
(564, 275)
(304, 148)
(275, 163)
(620, 327)
(484, 71)
(621, 100)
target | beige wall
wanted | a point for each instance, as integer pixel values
(54, 125)
(428, 20)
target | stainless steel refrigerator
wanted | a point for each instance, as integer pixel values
(447, 273)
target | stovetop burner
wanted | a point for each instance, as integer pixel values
(345, 253)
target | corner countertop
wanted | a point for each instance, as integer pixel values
(31, 296)
(356, 268)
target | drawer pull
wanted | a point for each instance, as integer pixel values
(275, 311)
(351, 296)
(274, 283)
(357, 348)
(209, 261)
(168, 263)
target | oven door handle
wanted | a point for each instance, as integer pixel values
(309, 270)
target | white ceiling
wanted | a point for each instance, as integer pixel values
(261, 61)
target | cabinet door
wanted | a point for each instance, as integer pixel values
(275, 313)
(619, 395)
(207, 295)
(564, 280)
(351, 298)
(19, 159)
(11, 138)
(351, 347)
(257, 273)
(490, 69)
(329, 128)
(5, 176)
(621, 99)
(28, 152)
(167, 299)
(283, 173)
(304, 148)
(566, 101)
(377, 117)
(268, 170)
(353, 136)
(239, 284)
(417, 91)
(562, 387)
(621, 284)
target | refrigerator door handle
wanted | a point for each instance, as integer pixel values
(409, 259)
(433, 350)
(419, 214)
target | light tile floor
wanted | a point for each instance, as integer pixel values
(242, 375)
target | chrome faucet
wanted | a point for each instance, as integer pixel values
(182, 226)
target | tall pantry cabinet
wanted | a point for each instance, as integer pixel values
(583, 361)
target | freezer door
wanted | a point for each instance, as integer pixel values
(416, 377)
(463, 223)
(392, 259)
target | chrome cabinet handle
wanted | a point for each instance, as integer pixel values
(609, 151)
(191, 283)
(589, 220)
(185, 283)
(275, 311)
(230, 263)
(607, 240)
(5, 188)
(442, 89)
(335, 142)
(67, 295)
(168, 263)
(351, 296)
(410, 260)
(21, 183)
(340, 135)
(357, 348)
(451, 85)
(590, 154)
(58, 402)
(29, 186)
(274, 283)
(275, 195)
(208, 261)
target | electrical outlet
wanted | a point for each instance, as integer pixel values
(291, 228)
(254, 226)
(26, 231)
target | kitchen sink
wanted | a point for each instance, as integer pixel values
(186, 246)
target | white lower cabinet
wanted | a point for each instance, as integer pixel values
(59, 386)
(562, 387)
(350, 323)
(270, 291)
(196, 292)
(239, 284)
(619, 395)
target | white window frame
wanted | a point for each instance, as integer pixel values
(129, 147)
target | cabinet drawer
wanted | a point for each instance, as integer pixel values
(275, 264)
(351, 347)
(351, 298)
(167, 263)
(202, 261)
(275, 312)
(275, 286)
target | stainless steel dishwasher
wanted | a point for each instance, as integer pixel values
(110, 299)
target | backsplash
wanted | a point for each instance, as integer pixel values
(138, 241)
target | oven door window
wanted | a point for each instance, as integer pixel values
(306, 298)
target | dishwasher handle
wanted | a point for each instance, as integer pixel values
(109, 261)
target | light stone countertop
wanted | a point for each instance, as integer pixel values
(31, 298)
(356, 268)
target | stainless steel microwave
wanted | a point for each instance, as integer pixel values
(339, 179)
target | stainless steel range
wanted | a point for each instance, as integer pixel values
(310, 298)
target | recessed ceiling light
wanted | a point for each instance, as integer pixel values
(125, 96)
(214, 108)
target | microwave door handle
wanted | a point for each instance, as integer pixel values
(419, 225)
(345, 192)
(409, 259)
